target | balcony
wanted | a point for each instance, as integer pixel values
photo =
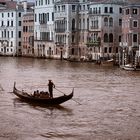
(60, 30)
(43, 39)
(98, 12)
(42, 21)
(93, 44)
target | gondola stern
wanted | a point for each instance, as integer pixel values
(14, 86)
(72, 91)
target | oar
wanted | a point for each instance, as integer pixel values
(65, 94)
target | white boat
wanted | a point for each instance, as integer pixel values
(108, 62)
(131, 67)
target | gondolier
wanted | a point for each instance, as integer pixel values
(50, 88)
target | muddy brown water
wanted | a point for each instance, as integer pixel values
(109, 100)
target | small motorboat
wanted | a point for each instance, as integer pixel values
(41, 100)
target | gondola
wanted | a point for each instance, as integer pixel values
(48, 101)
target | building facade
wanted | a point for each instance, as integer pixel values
(104, 29)
(44, 28)
(131, 34)
(11, 14)
(28, 35)
(66, 28)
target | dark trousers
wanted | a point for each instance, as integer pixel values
(51, 92)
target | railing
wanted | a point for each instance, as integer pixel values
(91, 44)
(94, 27)
(42, 21)
(60, 30)
(43, 39)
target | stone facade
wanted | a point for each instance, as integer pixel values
(28, 35)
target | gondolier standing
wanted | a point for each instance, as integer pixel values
(50, 88)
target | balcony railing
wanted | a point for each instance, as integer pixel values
(92, 44)
(60, 30)
(42, 21)
(94, 12)
(43, 39)
(94, 27)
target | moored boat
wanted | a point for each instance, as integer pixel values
(42, 100)
(130, 67)
(108, 62)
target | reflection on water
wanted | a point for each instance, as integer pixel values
(19, 104)
(109, 101)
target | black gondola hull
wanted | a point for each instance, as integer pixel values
(48, 101)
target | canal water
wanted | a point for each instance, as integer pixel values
(109, 100)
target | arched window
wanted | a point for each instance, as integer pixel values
(105, 21)
(105, 37)
(111, 37)
(110, 21)
(73, 24)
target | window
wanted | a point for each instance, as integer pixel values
(111, 38)
(19, 23)
(120, 39)
(19, 34)
(63, 7)
(105, 21)
(73, 24)
(11, 44)
(12, 23)
(11, 34)
(135, 23)
(110, 49)
(2, 23)
(105, 37)
(47, 16)
(134, 37)
(135, 11)
(19, 14)
(127, 11)
(106, 10)
(117, 49)
(19, 43)
(52, 16)
(2, 14)
(83, 7)
(41, 2)
(73, 7)
(120, 10)
(8, 34)
(111, 10)
(120, 22)
(105, 49)
(111, 22)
